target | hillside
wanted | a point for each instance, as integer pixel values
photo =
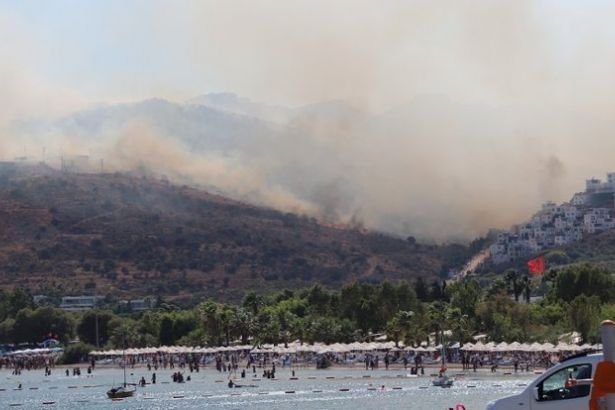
(127, 235)
(599, 249)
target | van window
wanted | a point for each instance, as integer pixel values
(554, 386)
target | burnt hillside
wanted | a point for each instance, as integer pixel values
(119, 234)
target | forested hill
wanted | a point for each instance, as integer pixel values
(125, 235)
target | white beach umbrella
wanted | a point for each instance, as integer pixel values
(502, 347)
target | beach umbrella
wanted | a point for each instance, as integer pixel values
(502, 347)
(536, 347)
(514, 347)
(547, 347)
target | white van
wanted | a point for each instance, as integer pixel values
(549, 392)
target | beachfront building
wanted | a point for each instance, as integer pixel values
(138, 305)
(78, 303)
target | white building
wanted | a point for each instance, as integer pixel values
(78, 303)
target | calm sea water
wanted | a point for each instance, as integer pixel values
(338, 389)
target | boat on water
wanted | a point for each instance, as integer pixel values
(120, 392)
(123, 391)
(442, 381)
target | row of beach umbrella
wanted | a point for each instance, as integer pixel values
(536, 347)
(321, 348)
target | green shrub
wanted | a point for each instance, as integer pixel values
(76, 353)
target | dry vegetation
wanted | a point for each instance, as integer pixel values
(126, 235)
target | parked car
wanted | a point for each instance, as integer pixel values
(549, 391)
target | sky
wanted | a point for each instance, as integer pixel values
(511, 101)
(377, 54)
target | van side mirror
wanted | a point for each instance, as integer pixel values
(536, 393)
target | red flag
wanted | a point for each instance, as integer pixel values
(536, 266)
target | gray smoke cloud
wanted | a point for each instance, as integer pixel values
(462, 116)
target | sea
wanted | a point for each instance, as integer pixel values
(309, 389)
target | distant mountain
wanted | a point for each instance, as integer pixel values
(221, 129)
(126, 235)
(198, 127)
(232, 103)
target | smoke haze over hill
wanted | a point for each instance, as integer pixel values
(460, 117)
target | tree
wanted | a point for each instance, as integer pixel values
(406, 296)
(436, 292)
(210, 313)
(583, 279)
(584, 315)
(88, 324)
(318, 300)
(267, 328)
(464, 295)
(497, 287)
(437, 319)
(166, 335)
(40, 324)
(526, 287)
(124, 333)
(6, 331)
(11, 303)
(387, 303)
(242, 324)
(458, 323)
(400, 326)
(253, 302)
(420, 288)
(512, 279)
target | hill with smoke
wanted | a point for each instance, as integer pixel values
(428, 168)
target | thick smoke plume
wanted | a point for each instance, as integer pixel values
(461, 117)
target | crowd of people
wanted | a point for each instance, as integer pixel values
(232, 362)
(17, 363)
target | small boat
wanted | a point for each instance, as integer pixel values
(442, 381)
(122, 391)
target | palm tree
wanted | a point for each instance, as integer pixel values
(242, 324)
(400, 326)
(512, 278)
(437, 318)
(210, 314)
(526, 287)
(253, 302)
(458, 323)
